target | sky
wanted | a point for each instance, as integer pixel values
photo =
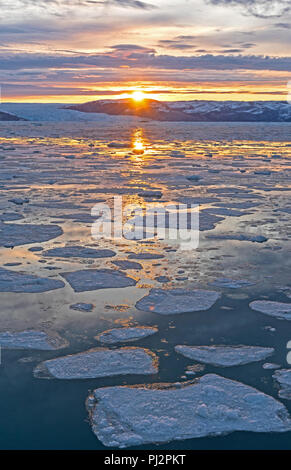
(83, 50)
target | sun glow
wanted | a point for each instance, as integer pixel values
(138, 96)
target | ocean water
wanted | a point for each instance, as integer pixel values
(252, 165)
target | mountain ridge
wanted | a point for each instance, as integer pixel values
(191, 111)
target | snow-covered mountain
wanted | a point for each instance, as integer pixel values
(235, 111)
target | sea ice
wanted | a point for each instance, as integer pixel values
(270, 366)
(99, 362)
(124, 416)
(81, 307)
(23, 234)
(119, 335)
(13, 281)
(93, 279)
(124, 264)
(31, 339)
(151, 194)
(283, 377)
(280, 310)
(10, 216)
(239, 237)
(225, 356)
(78, 252)
(231, 283)
(174, 301)
(145, 256)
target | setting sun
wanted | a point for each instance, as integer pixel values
(138, 96)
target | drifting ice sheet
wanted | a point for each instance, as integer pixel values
(169, 302)
(99, 362)
(283, 377)
(78, 252)
(274, 309)
(212, 405)
(118, 335)
(12, 281)
(93, 279)
(23, 234)
(225, 356)
(31, 339)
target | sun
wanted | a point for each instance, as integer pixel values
(138, 96)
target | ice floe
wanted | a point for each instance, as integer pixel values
(81, 307)
(31, 339)
(124, 264)
(175, 301)
(239, 237)
(145, 256)
(280, 310)
(13, 281)
(93, 279)
(283, 377)
(99, 362)
(225, 356)
(126, 416)
(118, 335)
(78, 252)
(231, 283)
(23, 234)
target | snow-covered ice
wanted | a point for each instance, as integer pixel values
(279, 310)
(283, 377)
(99, 362)
(23, 234)
(31, 339)
(231, 283)
(175, 301)
(78, 252)
(211, 406)
(119, 335)
(93, 279)
(13, 281)
(225, 356)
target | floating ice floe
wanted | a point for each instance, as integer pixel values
(19, 201)
(174, 301)
(225, 211)
(231, 283)
(78, 252)
(81, 307)
(99, 362)
(225, 356)
(270, 366)
(145, 256)
(10, 216)
(31, 339)
(93, 279)
(78, 217)
(118, 145)
(126, 416)
(283, 377)
(124, 264)
(151, 194)
(12, 281)
(279, 310)
(239, 237)
(23, 234)
(118, 335)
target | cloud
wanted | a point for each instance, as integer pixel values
(258, 8)
(139, 59)
(64, 5)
